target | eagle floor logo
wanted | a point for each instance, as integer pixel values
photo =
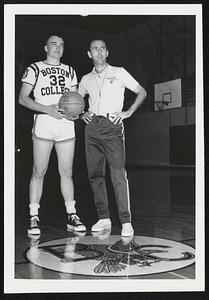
(111, 256)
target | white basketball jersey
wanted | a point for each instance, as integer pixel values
(49, 81)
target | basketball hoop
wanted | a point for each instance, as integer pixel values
(166, 99)
(161, 104)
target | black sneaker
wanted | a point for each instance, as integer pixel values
(34, 226)
(74, 223)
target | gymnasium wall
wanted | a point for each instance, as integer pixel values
(161, 49)
(153, 138)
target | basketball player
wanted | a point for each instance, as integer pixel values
(48, 80)
(104, 133)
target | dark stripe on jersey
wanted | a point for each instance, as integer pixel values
(27, 82)
(33, 67)
(72, 72)
(36, 70)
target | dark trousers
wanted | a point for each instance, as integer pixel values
(105, 141)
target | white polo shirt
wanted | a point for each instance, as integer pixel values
(106, 89)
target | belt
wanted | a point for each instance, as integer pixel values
(109, 116)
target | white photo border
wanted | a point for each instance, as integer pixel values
(12, 285)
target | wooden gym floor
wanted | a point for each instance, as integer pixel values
(162, 204)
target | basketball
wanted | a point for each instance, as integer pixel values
(72, 103)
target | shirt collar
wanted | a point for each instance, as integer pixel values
(94, 70)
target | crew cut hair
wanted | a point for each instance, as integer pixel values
(53, 34)
(97, 38)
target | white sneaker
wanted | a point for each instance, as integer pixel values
(103, 234)
(127, 229)
(101, 225)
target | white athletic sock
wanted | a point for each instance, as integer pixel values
(70, 207)
(34, 209)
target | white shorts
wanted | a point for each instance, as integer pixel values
(51, 129)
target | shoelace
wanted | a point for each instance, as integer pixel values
(75, 218)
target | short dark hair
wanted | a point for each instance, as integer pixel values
(97, 38)
(53, 34)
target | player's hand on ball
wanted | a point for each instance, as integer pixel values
(73, 105)
(71, 118)
(87, 117)
(54, 111)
